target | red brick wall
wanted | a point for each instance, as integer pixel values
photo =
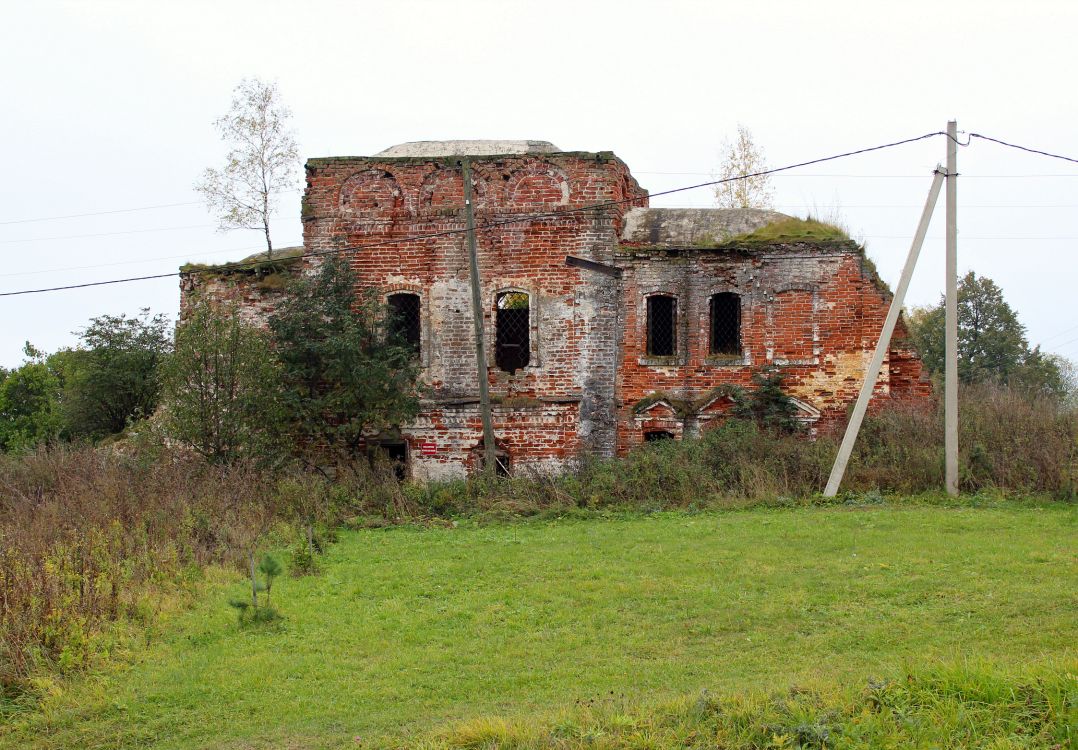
(811, 310)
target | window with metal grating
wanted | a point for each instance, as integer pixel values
(512, 340)
(725, 323)
(404, 319)
(662, 325)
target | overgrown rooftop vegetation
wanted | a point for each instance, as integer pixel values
(259, 263)
(793, 229)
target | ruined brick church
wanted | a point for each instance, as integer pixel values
(608, 323)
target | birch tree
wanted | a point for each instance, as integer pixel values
(263, 160)
(742, 157)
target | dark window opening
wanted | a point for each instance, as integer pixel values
(725, 323)
(654, 436)
(394, 456)
(662, 326)
(404, 319)
(512, 340)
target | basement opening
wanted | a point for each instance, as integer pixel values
(393, 454)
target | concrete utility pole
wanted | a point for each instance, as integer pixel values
(873, 371)
(489, 455)
(950, 380)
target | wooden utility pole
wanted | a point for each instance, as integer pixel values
(489, 454)
(950, 378)
(873, 371)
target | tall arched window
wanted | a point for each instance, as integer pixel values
(662, 325)
(512, 340)
(725, 323)
(404, 319)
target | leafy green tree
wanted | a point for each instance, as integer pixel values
(767, 404)
(113, 377)
(992, 345)
(343, 379)
(222, 388)
(29, 403)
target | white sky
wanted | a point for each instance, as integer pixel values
(109, 105)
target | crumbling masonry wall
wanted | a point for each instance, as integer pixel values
(811, 309)
(399, 221)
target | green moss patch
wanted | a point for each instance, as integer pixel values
(794, 230)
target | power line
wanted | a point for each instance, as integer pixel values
(112, 234)
(100, 213)
(120, 210)
(1023, 148)
(185, 256)
(1064, 332)
(880, 176)
(491, 225)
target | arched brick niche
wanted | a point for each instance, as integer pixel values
(536, 186)
(442, 192)
(373, 193)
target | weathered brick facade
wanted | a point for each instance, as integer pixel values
(589, 382)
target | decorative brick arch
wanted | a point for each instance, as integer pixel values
(372, 194)
(442, 192)
(536, 186)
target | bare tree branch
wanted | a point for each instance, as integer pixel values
(263, 160)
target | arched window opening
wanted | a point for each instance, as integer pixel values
(662, 325)
(655, 436)
(725, 323)
(512, 340)
(404, 319)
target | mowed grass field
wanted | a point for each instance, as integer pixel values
(410, 630)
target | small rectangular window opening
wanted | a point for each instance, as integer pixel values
(404, 319)
(725, 323)
(512, 340)
(655, 436)
(662, 325)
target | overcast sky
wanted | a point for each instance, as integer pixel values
(107, 107)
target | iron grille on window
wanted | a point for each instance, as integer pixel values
(662, 326)
(404, 319)
(725, 323)
(512, 344)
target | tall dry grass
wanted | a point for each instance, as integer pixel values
(86, 533)
(1015, 442)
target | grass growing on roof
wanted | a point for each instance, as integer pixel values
(412, 630)
(793, 229)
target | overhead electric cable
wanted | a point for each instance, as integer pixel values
(489, 224)
(1023, 148)
(120, 210)
(112, 234)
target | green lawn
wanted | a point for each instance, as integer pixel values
(409, 630)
